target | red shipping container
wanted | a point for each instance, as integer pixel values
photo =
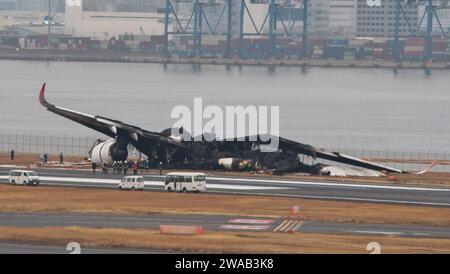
(283, 41)
(157, 39)
(293, 47)
(415, 41)
(318, 41)
(144, 45)
(440, 46)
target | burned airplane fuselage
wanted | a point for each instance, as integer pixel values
(178, 151)
(239, 155)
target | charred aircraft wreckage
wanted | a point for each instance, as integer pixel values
(185, 153)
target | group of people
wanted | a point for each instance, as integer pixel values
(118, 167)
(45, 158)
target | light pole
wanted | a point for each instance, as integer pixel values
(49, 15)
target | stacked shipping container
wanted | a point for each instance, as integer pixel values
(318, 47)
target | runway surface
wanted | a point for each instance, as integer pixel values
(27, 248)
(340, 191)
(215, 223)
(346, 191)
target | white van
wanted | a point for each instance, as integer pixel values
(24, 177)
(132, 183)
(185, 182)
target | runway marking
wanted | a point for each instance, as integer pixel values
(328, 184)
(306, 183)
(421, 234)
(376, 232)
(281, 225)
(158, 184)
(245, 227)
(110, 182)
(318, 197)
(244, 187)
(298, 226)
(283, 228)
(288, 226)
(250, 221)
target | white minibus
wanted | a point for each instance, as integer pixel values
(185, 182)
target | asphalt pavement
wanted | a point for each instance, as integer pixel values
(245, 185)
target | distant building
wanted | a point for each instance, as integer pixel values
(379, 21)
(320, 17)
(31, 5)
(444, 18)
(342, 17)
(215, 11)
(333, 17)
(27, 12)
(109, 18)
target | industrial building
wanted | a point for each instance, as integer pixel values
(342, 18)
(334, 17)
(29, 16)
(320, 16)
(443, 13)
(30, 5)
(379, 21)
(104, 19)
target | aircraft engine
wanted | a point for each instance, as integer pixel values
(229, 163)
(108, 151)
(236, 164)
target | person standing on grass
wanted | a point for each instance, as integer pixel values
(135, 168)
(61, 158)
(105, 168)
(13, 155)
(125, 168)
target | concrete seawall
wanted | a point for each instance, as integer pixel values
(139, 57)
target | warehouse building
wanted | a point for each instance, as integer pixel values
(105, 19)
(336, 17)
(379, 21)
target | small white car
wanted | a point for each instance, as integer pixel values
(131, 183)
(24, 177)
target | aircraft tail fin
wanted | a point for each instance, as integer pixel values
(433, 164)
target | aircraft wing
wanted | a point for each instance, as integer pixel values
(333, 156)
(109, 127)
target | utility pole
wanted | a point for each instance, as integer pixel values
(166, 29)
(429, 34)
(241, 28)
(272, 33)
(305, 29)
(49, 15)
(229, 29)
(49, 22)
(397, 31)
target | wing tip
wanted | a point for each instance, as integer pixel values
(42, 99)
